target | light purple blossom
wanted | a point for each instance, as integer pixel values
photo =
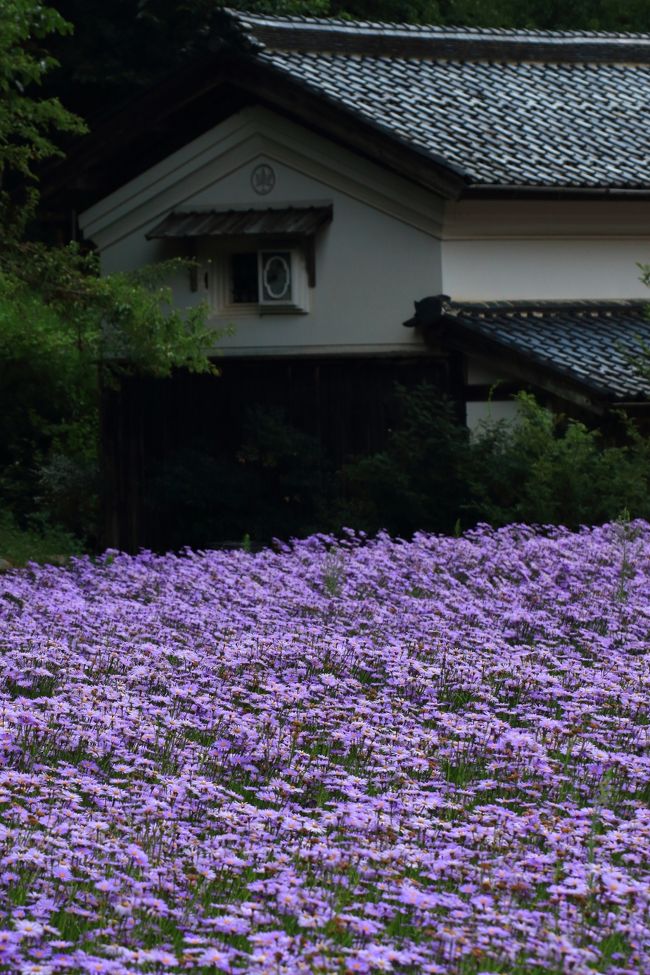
(213, 760)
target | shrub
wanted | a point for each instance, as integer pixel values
(272, 485)
(541, 468)
(419, 481)
(547, 468)
(38, 541)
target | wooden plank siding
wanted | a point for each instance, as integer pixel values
(346, 404)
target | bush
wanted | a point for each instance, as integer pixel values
(37, 542)
(272, 485)
(541, 468)
(419, 481)
(546, 468)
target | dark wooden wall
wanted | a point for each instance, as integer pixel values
(345, 403)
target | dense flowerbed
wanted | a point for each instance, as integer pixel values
(364, 756)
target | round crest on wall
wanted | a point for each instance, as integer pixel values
(263, 179)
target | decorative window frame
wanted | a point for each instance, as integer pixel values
(215, 282)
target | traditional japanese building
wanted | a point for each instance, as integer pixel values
(369, 203)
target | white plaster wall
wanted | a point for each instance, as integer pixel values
(372, 262)
(539, 249)
(492, 412)
(370, 268)
(488, 270)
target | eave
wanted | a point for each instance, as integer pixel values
(564, 193)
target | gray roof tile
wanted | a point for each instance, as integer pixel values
(257, 22)
(602, 345)
(507, 108)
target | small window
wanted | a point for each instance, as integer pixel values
(262, 282)
(244, 288)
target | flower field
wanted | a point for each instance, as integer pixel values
(425, 757)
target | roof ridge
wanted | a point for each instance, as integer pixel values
(319, 35)
(397, 29)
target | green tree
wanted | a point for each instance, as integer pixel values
(121, 47)
(27, 122)
(634, 15)
(65, 331)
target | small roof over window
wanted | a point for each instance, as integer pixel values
(294, 221)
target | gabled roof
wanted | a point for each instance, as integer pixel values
(596, 351)
(507, 109)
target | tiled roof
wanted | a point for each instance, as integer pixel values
(598, 345)
(508, 108)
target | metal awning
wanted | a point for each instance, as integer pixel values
(289, 221)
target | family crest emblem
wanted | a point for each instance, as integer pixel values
(263, 179)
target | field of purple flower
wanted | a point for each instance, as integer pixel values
(424, 757)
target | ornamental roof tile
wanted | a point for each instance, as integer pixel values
(508, 108)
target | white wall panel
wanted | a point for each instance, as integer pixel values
(493, 412)
(372, 263)
(491, 269)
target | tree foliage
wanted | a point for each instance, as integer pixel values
(65, 331)
(28, 123)
(634, 15)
